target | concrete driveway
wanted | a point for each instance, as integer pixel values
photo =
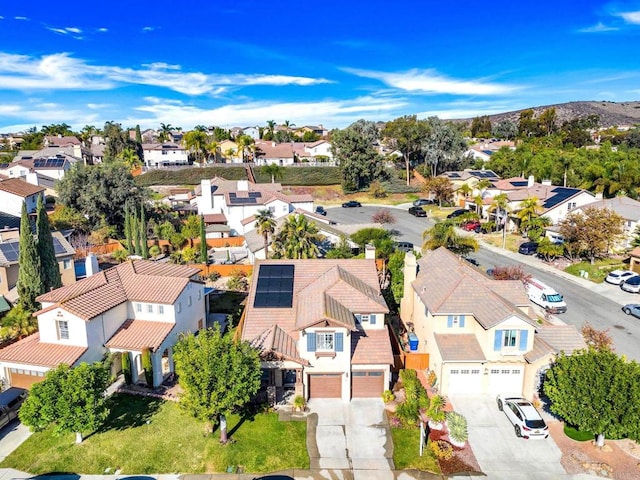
(351, 436)
(499, 452)
(11, 437)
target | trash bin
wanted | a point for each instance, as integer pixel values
(413, 342)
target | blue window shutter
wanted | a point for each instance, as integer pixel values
(461, 321)
(372, 319)
(450, 321)
(497, 342)
(523, 340)
(339, 341)
(311, 342)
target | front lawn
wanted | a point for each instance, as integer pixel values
(599, 270)
(143, 436)
(406, 451)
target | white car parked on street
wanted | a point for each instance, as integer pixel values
(616, 277)
(526, 420)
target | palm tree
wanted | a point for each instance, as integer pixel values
(130, 157)
(443, 234)
(243, 142)
(274, 170)
(271, 126)
(265, 226)
(196, 141)
(529, 209)
(165, 132)
(297, 238)
(229, 153)
(465, 190)
(213, 149)
(500, 206)
(478, 201)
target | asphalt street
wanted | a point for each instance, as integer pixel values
(599, 305)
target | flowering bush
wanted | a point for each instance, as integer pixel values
(441, 449)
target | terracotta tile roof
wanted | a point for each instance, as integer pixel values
(138, 280)
(462, 347)
(562, 338)
(30, 351)
(372, 346)
(140, 334)
(507, 183)
(302, 198)
(273, 150)
(19, 187)
(446, 284)
(323, 277)
(540, 349)
(215, 218)
(275, 342)
(220, 186)
(55, 141)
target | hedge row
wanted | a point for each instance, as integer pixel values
(192, 176)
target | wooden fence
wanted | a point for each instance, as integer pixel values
(223, 270)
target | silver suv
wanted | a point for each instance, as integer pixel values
(526, 420)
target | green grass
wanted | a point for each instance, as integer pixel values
(598, 271)
(406, 451)
(577, 435)
(143, 436)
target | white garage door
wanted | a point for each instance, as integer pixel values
(464, 381)
(506, 380)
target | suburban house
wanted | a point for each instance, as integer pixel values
(14, 192)
(479, 332)
(239, 201)
(164, 154)
(229, 151)
(9, 266)
(272, 153)
(627, 208)
(320, 327)
(316, 152)
(484, 149)
(136, 305)
(253, 132)
(471, 178)
(317, 129)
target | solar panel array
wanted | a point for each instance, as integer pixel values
(10, 250)
(48, 162)
(453, 175)
(3, 165)
(560, 194)
(242, 200)
(275, 287)
(483, 174)
(57, 246)
(521, 183)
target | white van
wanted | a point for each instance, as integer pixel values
(545, 296)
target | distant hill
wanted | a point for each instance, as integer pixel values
(610, 113)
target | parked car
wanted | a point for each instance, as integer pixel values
(472, 261)
(526, 420)
(351, 204)
(472, 226)
(321, 211)
(422, 202)
(618, 276)
(10, 402)
(528, 248)
(632, 309)
(417, 211)
(403, 246)
(457, 213)
(631, 284)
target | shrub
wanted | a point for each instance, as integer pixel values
(126, 367)
(408, 413)
(435, 411)
(120, 255)
(238, 281)
(441, 449)
(388, 396)
(394, 421)
(432, 378)
(376, 190)
(299, 403)
(457, 424)
(213, 276)
(413, 388)
(154, 250)
(148, 366)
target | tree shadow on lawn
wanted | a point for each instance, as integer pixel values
(248, 412)
(129, 411)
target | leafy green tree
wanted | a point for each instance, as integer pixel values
(408, 135)
(191, 227)
(341, 250)
(370, 235)
(128, 230)
(165, 230)
(593, 231)
(29, 279)
(65, 218)
(505, 129)
(100, 192)
(396, 271)
(266, 227)
(138, 134)
(481, 127)
(196, 141)
(440, 187)
(129, 157)
(51, 278)
(297, 238)
(527, 125)
(19, 322)
(549, 250)
(596, 391)
(70, 399)
(444, 146)
(443, 234)
(274, 171)
(217, 374)
(118, 140)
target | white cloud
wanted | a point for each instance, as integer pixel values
(598, 28)
(98, 106)
(61, 31)
(103, 29)
(73, 29)
(61, 71)
(630, 17)
(431, 82)
(148, 29)
(21, 18)
(1, 17)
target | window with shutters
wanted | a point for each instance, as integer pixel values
(324, 342)
(509, 338)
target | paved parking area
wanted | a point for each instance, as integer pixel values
(499, 452)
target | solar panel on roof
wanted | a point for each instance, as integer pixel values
(454, 175)
(560, 194)
(58, 247)
(10, 251)
(255, 194)
(522, 183)
(3, 165)
(275, 287)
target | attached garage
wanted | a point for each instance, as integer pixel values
(369, 383)
(464, 381)
(24, 378)
(325, 385)
(506, 379)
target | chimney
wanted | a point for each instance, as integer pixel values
(205, 202)
(369, 252)
(599, 196)
(531, 181)
(77, 151)
(243, 185)
(31, 178)
(410, 274)
(91, 264)
(546, 182)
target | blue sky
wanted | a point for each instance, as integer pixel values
(242, 62)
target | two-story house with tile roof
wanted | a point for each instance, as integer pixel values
(320, 327)
(14, 192)
(135, 305)
(479, 332)
(164, 154)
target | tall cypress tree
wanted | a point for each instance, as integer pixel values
(128, 230)
(29, 280)
(51, 278)
(138, 135)
(143, 234)
(204, 258)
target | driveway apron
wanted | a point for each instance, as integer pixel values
(352, 436)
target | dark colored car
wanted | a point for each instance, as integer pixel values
(472, 261)
(528, 248)
(321, 211)
(351, 204)
(404, 246)
(422, 202)
(10, 402)
(472, 226)
(457, 213)
(417, 211)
